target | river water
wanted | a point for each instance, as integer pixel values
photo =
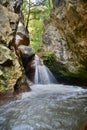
(46, 107)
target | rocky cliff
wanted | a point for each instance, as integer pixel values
(12, 35)
(65, 37)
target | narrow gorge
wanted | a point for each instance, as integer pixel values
(64, 38)
(43, 70)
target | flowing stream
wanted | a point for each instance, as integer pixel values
(46, 107)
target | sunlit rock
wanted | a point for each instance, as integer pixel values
(8, 25)
(26, 51)
(66, 37)
(11, 68)
(5, 54)
(22, 35)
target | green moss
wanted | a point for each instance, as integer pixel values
(1, 73)
(2, 81)
(49, 59)
(61, 70)
(36, 45)
(2, 85)
(82, 74)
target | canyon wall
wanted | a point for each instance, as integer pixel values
(12, 35)
(65, 37)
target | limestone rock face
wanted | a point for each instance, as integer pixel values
(8, 25)
(66, 37)
(22, 35)
(10, 69)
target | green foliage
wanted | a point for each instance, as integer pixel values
(49, 59)
(24, 9)
(38, 13)
(35, 45)
(2, 85)
(36, 30)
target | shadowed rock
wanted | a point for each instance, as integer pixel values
(84, 126)
(21, 85)
(57, 3)
(27, 55)
(17, 5)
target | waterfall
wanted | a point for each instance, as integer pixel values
(42, 74)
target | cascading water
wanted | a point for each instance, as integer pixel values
(47, 106)
(42, 74)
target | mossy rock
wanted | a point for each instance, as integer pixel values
(5, 54)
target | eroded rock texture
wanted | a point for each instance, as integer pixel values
(11, 69)
(66, 37)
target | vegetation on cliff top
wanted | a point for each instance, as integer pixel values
(35, 12)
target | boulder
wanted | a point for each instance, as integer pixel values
(22, 36)
(26, 51)
(27, 55)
